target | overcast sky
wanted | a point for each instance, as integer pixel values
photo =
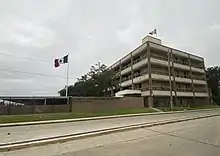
(94, 30)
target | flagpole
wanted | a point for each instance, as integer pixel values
(67, 77)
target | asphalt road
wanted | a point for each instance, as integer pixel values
(21, 133)
(199, 137)
(192, 138)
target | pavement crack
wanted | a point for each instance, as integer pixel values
(185, 138)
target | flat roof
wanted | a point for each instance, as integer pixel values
(156, 44)
(32, 97)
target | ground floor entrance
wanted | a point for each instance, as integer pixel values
(160, 102)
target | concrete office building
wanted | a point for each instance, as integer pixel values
(164, 76)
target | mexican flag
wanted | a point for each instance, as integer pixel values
(58, 62)
(153, 32)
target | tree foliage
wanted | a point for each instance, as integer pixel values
(213, 80)
(99, 81)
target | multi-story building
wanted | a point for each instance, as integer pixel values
(164, 76)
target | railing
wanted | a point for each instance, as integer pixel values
(117, 74)
(126, 66)
(159, 57)
(159, 72)
(117, 71)
(135, 75)
(189, 77)
(199, 78)
(181, 62)
(162, 88)
(183, 76)
(140, 74)
(197, 66)
(199, 90)
(140, 59)
(184, 89)
(136, 61)
(144, 88)
(126, 78)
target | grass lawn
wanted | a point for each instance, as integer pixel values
(56, 116)
(190, 108)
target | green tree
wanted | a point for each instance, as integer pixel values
(99, 81)
(213, 80)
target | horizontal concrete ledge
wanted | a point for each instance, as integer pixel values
(64, 138)
(96, 118)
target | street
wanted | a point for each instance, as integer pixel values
(192, 138)
(197, 137)
(21, 133)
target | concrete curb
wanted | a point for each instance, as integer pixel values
(39, 142)
(96, 118)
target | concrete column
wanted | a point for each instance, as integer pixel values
(120, 75)
(9, 106)
(191, 75)
(45, 101)
(33, 105)
(174, 77)
(170, 81)
(207, 87)
(150, 102)
(150, 98)
(132, 71)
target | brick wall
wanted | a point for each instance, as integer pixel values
(76, 105)
(33, 109)
(105, 104)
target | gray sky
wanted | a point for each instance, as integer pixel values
(95, 30)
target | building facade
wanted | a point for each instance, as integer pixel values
(164, 76)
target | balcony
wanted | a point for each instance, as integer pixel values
(181, 62)
(139, 49)
(140, 77)
(145, 91)
(159, 61)
(158, 47)
(183, 78)
(126, 69)
(181, 66)
(159, 72)
(177, 64)
(163, 88)
(159, 57)
(199, 82)
(184, 94)
(200, 90)
(201, 95)
(160, 75)
(126, 82)
(117, 64)
(184, 89)
(197, 66)
(199, 77)
(137, 64)
(126, 78)
(179, 53)
(140, 62)
(126, 66)
(198, 70)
